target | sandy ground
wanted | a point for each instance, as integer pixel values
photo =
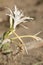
(32, 8)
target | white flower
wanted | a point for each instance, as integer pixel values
(18, 17)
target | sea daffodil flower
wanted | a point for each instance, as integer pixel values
(17, 16)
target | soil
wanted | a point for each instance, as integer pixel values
(32, 8)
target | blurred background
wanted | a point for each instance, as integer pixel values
(32, 8)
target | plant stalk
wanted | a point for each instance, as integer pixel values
(23, 44)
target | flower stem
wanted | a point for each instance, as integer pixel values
(11, 22)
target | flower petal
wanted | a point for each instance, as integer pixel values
(9, 10)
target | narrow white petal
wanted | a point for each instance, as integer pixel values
(10, 15)
(24, 26)
(25, 18)
(9, 10)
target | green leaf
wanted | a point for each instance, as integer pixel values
(6, 48)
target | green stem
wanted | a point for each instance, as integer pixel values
(11, 22)
(7, 34)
